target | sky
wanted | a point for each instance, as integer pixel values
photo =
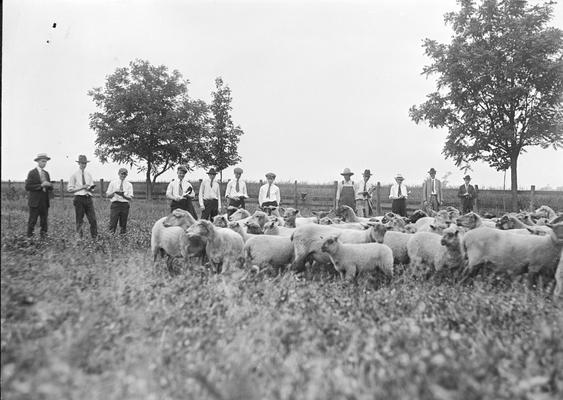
(317, 86)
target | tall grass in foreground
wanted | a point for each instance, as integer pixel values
(96, 320)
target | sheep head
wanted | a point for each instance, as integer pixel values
(202, 228)
(378, 231)
(179, 217)
(469, 220)
(330, 245)
(220, 221)
(239, 214)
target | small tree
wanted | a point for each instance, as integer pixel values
(499, 84)
(147, 120)
(223, 139)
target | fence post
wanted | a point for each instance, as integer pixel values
(62, 190)
(334, 197)
(476, 199)
(295, 193)
(532, 197)
(378, 198)
(101, 188)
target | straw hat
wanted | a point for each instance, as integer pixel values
(346, 172)
(42, 156)
(271, 175)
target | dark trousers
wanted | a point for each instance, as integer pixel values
(210, 209)
(235, 203)
(41, 212)
(399, 206)
(466, 205)
(84, 205)
(118, 212)
(184, 204)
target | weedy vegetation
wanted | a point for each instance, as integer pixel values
(96, 320)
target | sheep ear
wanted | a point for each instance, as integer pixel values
(388, 228)
(531, 231)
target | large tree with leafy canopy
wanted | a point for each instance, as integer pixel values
(147, 120)
(499, 83)
(224, 136)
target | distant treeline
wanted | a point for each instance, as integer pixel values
(314, 197)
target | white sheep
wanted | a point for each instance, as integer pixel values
(293, 218)
(224, 246)
(396, 241)
(242, 230)
(512, 253)
(273, 228)
(352, 259)
(263, 251)
(437, 252)
(559, 277)
(221, 220)
(348, 215)
(511, 222)
(167, 232)
(307, 241)
(239, 214)
(472, 220)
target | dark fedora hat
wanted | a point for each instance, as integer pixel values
(467, 177)
(211, 171)
(432, 171)
(82, 159)
(238, 170)
(367, 172)
(182, 168)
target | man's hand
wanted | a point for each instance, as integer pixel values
(46, 184)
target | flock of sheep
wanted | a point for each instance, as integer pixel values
(515, 243)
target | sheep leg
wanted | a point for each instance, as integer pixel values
(299, 264)
(351, 272)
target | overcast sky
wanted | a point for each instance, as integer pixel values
(317, 86)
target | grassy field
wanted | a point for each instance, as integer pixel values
(96, 320)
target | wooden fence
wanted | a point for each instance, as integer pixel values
(316, 197)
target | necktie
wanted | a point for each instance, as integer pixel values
(83, 179)
(180, 189)
(121, 186)
(433, 186)
(237, 188)
(365, 185)
(43, 176)
(399, 191)
(268, 193)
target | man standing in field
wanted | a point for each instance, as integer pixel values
(181, 192)
(364, 190)
(467, 195)
(269, 195)
(431, 193)
(81, 184)
(210, 196)
(236, 192)
(39, 187)
(121, 193)
(346, 190)
(398, 195)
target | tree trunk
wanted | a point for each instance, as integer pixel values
(148, 181)
(514, 182)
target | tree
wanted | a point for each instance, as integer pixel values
(147, 120)
(499, 84)
(222, 142)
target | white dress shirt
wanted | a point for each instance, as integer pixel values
(359, 189)
(208, 191)
(75, 182)
(394, 193)
(231, 191)
(115, 186)
(173, 189)
(274, 194)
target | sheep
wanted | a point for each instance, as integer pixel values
(422, 222)
(307, 241)
(272, 228)
(239, 214)
(396, 241)
(418, 214)
(510, 222)
(293, 219)
(263, 251)
(224, 246)
(352, 259)
(511, 253)
(259, 218)
(239, 228)
(545, 212)
(348, 215)
(425, 249)
(166, 234)
(472, 220)
(453, 257)
(221, 220)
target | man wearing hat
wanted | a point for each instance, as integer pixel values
(236, 192)
(269, 194)
(398, 195)
(346, 190)
(39, 186)
(210, 196)
(121, 193)
(181, 192)
(364, 190)
(81, 184)
(467, 195)
(431, 192)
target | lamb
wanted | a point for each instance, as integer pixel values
(472, 220)
(510, 222)
(307, 241)
(351, 259)
(453, 257)
(167, 232)
(425, 250)
(348, 215)
(545, 212)
(259, 218)
(239, 214)
(272, 228)
(224, 247)
(265, 251)
(418, 214)
(293, 219)
(396, 241)
(514, 254)
(239, 228)
(221, 220)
